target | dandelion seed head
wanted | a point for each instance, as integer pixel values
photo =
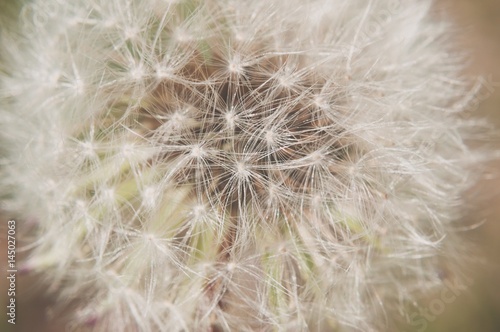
(235, 165)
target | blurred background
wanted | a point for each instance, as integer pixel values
(478, 307)
(474, 308)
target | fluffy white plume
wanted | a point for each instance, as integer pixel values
(234, 165)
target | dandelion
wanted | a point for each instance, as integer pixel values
(234, 165)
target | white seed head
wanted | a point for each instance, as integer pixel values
(234, 165)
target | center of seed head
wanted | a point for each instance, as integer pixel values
(284, 132)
